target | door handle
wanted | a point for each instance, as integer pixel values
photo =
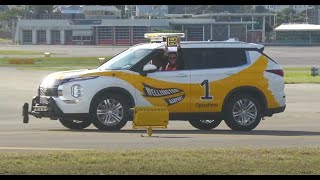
(181, 75)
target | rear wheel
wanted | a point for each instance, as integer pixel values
(75, 124)
(110, 112)
(205, 124)
(243, 112)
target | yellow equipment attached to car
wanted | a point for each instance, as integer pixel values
(159, 37)
(150, 117)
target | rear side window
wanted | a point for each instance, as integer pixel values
(214, 58)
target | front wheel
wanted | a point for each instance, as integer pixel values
(205, 124)
(110, 112)
(243, 112)
(75, 124)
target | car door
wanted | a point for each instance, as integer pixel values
(213, 74)
(164, 88)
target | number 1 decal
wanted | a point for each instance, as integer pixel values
(206, 85)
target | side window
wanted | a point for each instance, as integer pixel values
(226, 57)
(208, 58)
(158, 59)
(195, 58)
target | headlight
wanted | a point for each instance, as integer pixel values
(62, 81)
(81, 78)
(76, 90)
(52, 82)
(48, 82)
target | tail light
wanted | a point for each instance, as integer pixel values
(279, 72)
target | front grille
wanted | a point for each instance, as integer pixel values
(41, 92)
(48, 91)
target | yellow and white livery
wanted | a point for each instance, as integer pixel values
(226, 80)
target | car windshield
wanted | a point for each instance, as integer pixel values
(126, 59)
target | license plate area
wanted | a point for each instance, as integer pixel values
(43, 100)
(40, 108)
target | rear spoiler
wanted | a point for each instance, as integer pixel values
(261, 49)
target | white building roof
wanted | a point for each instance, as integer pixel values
(99, 8)
(298, 27)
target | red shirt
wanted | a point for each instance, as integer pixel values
(171, 68)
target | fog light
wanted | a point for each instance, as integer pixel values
(76, 91)
(60, 92)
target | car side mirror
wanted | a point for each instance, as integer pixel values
(148, 68)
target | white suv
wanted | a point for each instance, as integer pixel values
(226, 80)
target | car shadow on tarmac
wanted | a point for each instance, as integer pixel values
(214, 131)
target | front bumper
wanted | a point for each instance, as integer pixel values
(50, 109)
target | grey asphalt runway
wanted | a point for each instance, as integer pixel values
(299, 125)
(285, 56)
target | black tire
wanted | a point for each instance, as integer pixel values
(232, 106)
(75, 124)
(116, 124)
(205, 124)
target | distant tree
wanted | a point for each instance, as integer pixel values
(41, 8)
(11, 14)
(226, 8)
(261, 9)
(286, 15)
(245, 8)
(268, 27)
(177, 9)
(288, 10)
(121, 8)
(316, 6)
(199, 9)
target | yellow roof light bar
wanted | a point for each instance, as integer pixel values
(162, 35)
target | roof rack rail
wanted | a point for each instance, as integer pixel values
(232, 40)
(228, 40)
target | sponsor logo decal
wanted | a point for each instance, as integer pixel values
(174, 100)
(159, 92)
(204, 105)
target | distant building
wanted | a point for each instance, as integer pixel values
(3, 8)
(313, 16)
(303, 34)
(79, 12)
(101, 12)
(69, 9)
(103, 31)
(17, 6)
(252, 29)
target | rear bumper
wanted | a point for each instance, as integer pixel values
(271, 111)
